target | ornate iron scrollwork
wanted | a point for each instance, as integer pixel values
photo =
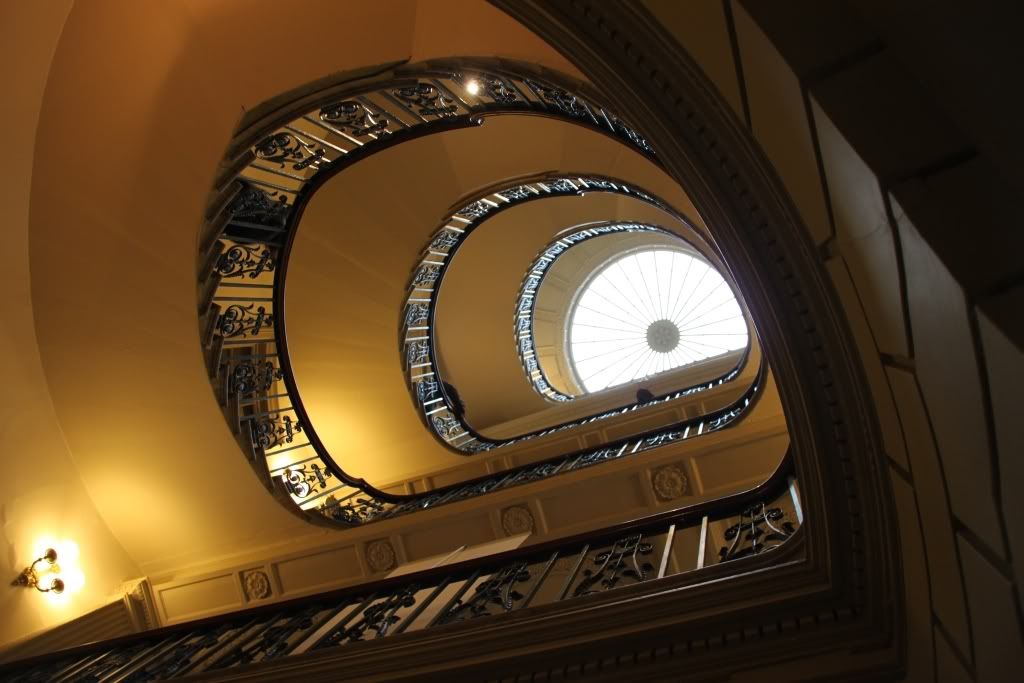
(496, 595)
(630, 134)
(248, 377)
(183, 654)
(107, 665)
(723, 419)
(622, 561)
(478, 446)
(381, 616)
(760, 528)
(416, 314)
(417, 352)
(245, 260)
(428, 390)
(287, 148)
(661, 439)
(239, 320)
(477, 209)
(426, 100)
(354, 118)
(274, 430)
(426, 275)
(256, 206)
(301, 481)
(596, 456)
(516, 194)
(561, 99)
(445, 240)
(498, 90)
(352, 512)
(447, 426)
(275, 640)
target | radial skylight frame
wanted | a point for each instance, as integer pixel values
(650, 311)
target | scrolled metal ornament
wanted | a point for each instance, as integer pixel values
(252, 377)
(447, 426)
(240, 260)
(239, 320)
(352, 512)
(426, 100)
(381, 616)
(561, 99)
(630, 134)
(499, 591)
(515, 194)
(256, 206)
(417, 352)
(273, 431)
(426, 275)
(416, 314)
(301, 481)
(183, 654)
(498, 90)
(286, 148)
(760, 528)
(477, 209)
(622, 561)
(661, 439)
(428, 390)
(354, 118)
(444, 240)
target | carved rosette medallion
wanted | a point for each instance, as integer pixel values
(380, 555)
(669, 482)
(256, 584)
(516, 520)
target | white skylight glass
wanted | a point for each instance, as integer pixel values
(648, 312)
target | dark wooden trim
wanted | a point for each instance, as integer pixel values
(774, 486)
(851, 534)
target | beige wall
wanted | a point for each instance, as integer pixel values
(942, 375)
(41, 493)
(710, 466)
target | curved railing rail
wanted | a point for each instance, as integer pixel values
(526, 304)
(436, 407)
(526, 300)
(250, 229)
(360, 507)
(637, 553)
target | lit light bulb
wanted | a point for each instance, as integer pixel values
(67, 551)
(472, 86)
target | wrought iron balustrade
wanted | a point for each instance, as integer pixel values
(253, 222)
(437, 409)
(634, 554)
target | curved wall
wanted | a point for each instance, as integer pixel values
(41, 492)
(141, 101)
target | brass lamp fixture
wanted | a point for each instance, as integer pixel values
(29, 578)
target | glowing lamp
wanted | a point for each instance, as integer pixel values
(43, 580)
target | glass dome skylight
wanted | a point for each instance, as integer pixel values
(648, 312)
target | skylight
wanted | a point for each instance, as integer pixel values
(648, 312)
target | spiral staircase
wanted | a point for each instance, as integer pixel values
(304, 310)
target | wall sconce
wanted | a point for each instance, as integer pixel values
(30, 578)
